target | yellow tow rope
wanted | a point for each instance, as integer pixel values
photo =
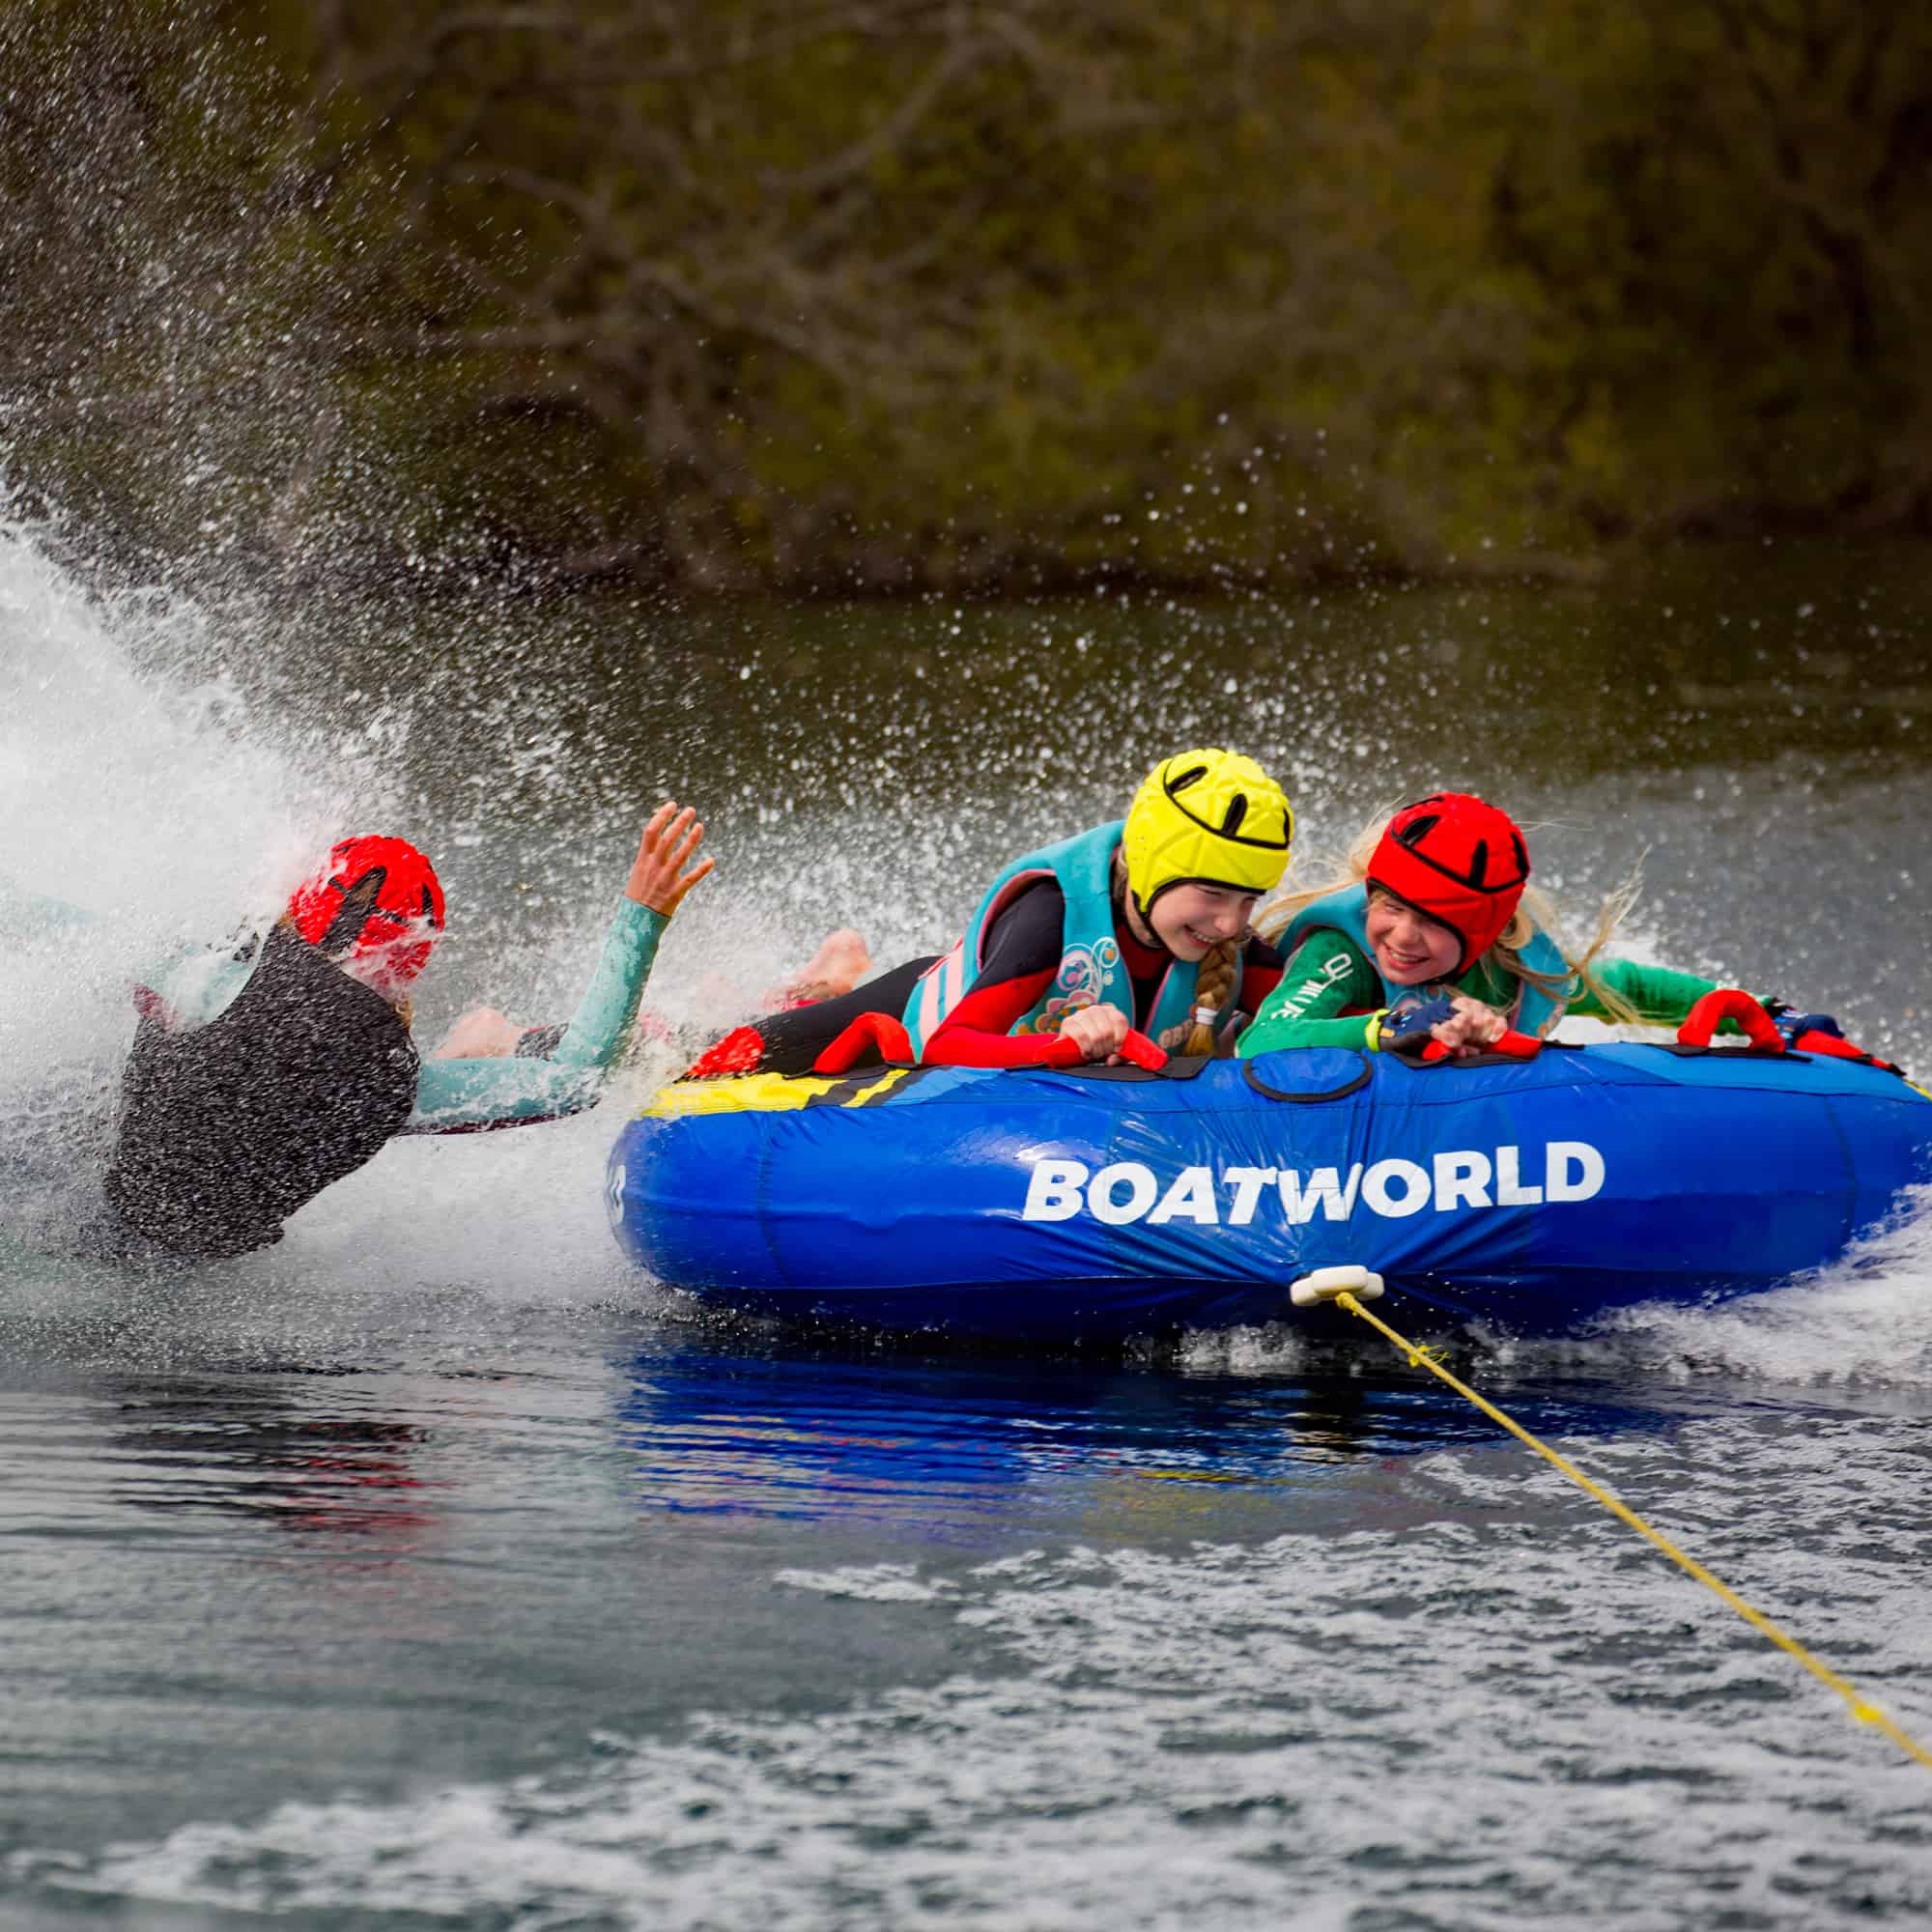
(1861, 1708)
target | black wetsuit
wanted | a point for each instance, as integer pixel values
(795, 1037)
(227, 1128)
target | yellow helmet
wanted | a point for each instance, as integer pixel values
(1212, 816)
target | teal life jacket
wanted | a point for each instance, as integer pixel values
(1091, 968)
(1533, 1012)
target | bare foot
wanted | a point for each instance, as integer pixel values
(841, 961)
(481, 1033)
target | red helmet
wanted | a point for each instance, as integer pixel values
(1459, 860)
(375, 906)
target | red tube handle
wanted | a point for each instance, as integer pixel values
(1510, 1045)
(1730, 1003)
(1137, 1050)
(885, 1031)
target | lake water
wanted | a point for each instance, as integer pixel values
(432, 1570)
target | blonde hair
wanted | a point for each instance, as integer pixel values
(1216, 978)
(1536, 911)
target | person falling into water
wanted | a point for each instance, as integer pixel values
(259, 1075)
(257, 1079)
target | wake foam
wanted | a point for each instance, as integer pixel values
(1858, 1324)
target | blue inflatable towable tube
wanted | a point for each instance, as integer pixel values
(1101, 1203)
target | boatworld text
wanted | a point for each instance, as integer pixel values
(1126, 1190)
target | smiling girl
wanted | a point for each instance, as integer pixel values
(1142, 923)
(1437, 935)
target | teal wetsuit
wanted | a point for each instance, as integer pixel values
(456, 1096)
(260, 1074)
(452, 1096)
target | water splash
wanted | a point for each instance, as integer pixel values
(140, 813)
(163, 783)
(1856, 1325)
(151, 804)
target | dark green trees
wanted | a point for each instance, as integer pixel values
(857, 293)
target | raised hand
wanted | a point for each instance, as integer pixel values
(663, 872)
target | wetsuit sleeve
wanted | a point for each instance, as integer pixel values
(1327, 974)
(23, 914)
(456, 1096)
(182, 989)
(1021, 957)
(1662, 997)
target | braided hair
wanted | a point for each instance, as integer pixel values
(1217, 980)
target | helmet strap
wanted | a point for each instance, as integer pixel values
(1140, 924)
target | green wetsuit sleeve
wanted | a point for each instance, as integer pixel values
(1328, 973)
(1661, 996)
(453, 1096)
